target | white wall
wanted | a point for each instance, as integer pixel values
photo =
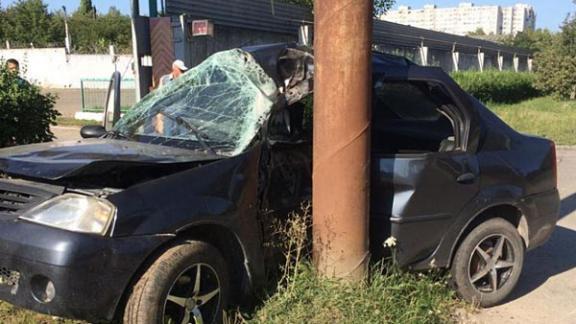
(52, 68)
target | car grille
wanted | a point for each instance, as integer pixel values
(17, 196)
(9, 277)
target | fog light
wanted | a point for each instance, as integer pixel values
(42, 289)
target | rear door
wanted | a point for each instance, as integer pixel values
(424, 170)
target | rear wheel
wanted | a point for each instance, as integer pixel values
(188, 283)
(488, 263)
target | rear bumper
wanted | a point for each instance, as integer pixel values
(542, 211)
(89, 273)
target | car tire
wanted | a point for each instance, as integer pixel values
(488, 263)
(187, 282)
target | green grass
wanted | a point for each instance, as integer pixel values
(392, 297)
(387, 296)
(13, 315)
(545, 116)
(100, 109)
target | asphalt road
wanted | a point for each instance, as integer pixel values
(66, 133)
(546, 292)
(69, 101)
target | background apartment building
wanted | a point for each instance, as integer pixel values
(467, 18)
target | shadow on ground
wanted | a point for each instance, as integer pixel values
(568, 205)
(553, 258)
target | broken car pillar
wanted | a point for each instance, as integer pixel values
(342, 99)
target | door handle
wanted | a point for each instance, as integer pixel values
(466, 178)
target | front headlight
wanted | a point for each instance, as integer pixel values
(75, 213)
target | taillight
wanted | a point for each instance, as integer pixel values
(554, 162)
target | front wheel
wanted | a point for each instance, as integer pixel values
(188, 283)
(488, 263)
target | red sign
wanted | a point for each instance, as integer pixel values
(202, 28)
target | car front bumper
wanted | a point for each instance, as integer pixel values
(89, 274)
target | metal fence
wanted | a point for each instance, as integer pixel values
(94, 92)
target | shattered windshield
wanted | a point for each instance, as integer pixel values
(218, 106)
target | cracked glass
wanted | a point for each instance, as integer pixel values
(218, 106)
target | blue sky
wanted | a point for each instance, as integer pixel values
(550, 13)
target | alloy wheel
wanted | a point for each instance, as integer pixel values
(194, 297)
(491, 263)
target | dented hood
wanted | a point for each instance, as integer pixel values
(54, 161)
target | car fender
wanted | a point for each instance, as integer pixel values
(489, 197)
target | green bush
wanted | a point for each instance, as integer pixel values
(496, 86)
(555, 65)
(555, 74)
(25, 113)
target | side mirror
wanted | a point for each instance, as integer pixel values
(92, 131)
(112, 112)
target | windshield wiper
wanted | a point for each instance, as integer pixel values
(115, 134)
(199, 135)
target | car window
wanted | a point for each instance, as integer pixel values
(410, 117)
(406, 100)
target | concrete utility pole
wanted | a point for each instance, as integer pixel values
(342, 100)
(135, 8)
(66, 30)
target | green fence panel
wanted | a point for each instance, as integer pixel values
(94, 92)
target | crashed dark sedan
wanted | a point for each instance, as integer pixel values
(160, 219)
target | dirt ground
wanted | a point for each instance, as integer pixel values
(66, 133)
(546, 292)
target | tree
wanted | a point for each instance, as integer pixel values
(555, 64)
(86, 8)
(380, 6)
(568, 35)
(28, 21)
(535, 40)
(1, 24)
(95, 35)
(478, 32)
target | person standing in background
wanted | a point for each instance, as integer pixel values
(13, 66)
(178, 68)
(162, 125)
